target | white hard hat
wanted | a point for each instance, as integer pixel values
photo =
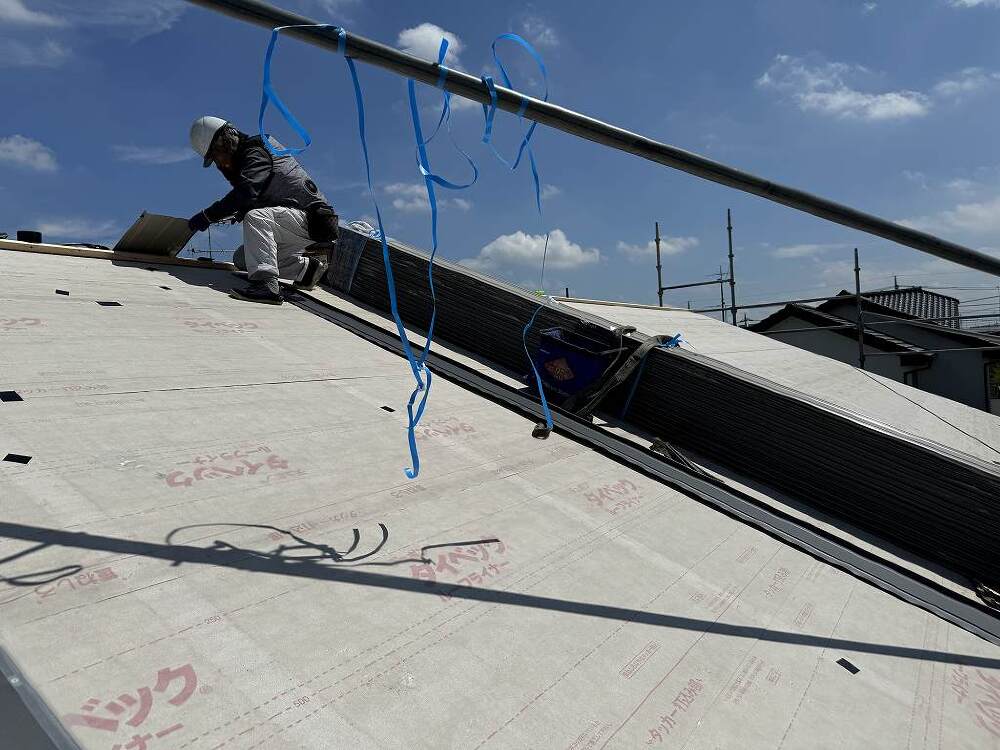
(203, 130)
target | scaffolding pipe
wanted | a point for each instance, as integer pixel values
(732, 271)
(722, 295)
(696, 283)
(779, 303)
(860, 321)
(659, 274)
(871, 323)
(574, 123)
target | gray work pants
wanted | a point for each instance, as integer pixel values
(273, 241)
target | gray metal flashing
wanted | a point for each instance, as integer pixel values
(888, 577)
(25, 719)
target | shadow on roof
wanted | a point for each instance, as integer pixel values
(225, 555)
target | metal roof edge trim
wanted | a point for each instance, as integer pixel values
(93, 253)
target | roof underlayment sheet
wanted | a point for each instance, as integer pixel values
(178, 558)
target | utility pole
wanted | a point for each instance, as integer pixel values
(895, 282)
(722, 294)
(567, 292)
(659, 276)
(732, 278)
(857, 299)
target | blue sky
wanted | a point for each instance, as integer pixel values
(889, 106)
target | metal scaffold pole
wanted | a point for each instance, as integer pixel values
(860, 321)
(659, 273)
(732, 271)
(591, 129)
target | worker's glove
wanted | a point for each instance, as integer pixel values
(199, 222)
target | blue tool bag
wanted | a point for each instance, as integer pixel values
(570, 362)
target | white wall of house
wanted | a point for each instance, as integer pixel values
(958, 375)
(837, 346)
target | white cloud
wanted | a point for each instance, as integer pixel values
(966, 82)
(15, 11)
(412, 198)
(538, 32)
(550, 191)
(802, 251)
(17, 54)
(668, 246)
(332, 6)
(916, 177)
(824, 88)
(961, 185)
(128, 18)
(27, 153)
(521, 249)
(425, 40)
(981, 217)
(74, 229)
(975, 3)
(867, 8)
(153, 154)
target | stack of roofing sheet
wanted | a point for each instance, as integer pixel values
(942, 504)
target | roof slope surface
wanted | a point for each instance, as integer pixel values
(198, 464)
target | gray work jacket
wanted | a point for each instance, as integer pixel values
(262, 180)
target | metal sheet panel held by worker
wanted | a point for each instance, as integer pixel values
(153, 234)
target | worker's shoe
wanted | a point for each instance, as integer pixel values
(266, 292)
(314, 272)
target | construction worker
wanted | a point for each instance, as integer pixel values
(282, 210)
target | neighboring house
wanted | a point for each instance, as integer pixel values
(918, 302)
(957, 364)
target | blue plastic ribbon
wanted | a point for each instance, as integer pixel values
(417, 366)
(538, 378)
(489, 113)
(270, 95)
(430, 179)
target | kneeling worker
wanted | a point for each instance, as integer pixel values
(282, 210)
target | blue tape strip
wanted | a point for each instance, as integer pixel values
(269, 95)
(538, 378)
(489, 113)
(430, 179)
(417, 366)
(675, 341)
